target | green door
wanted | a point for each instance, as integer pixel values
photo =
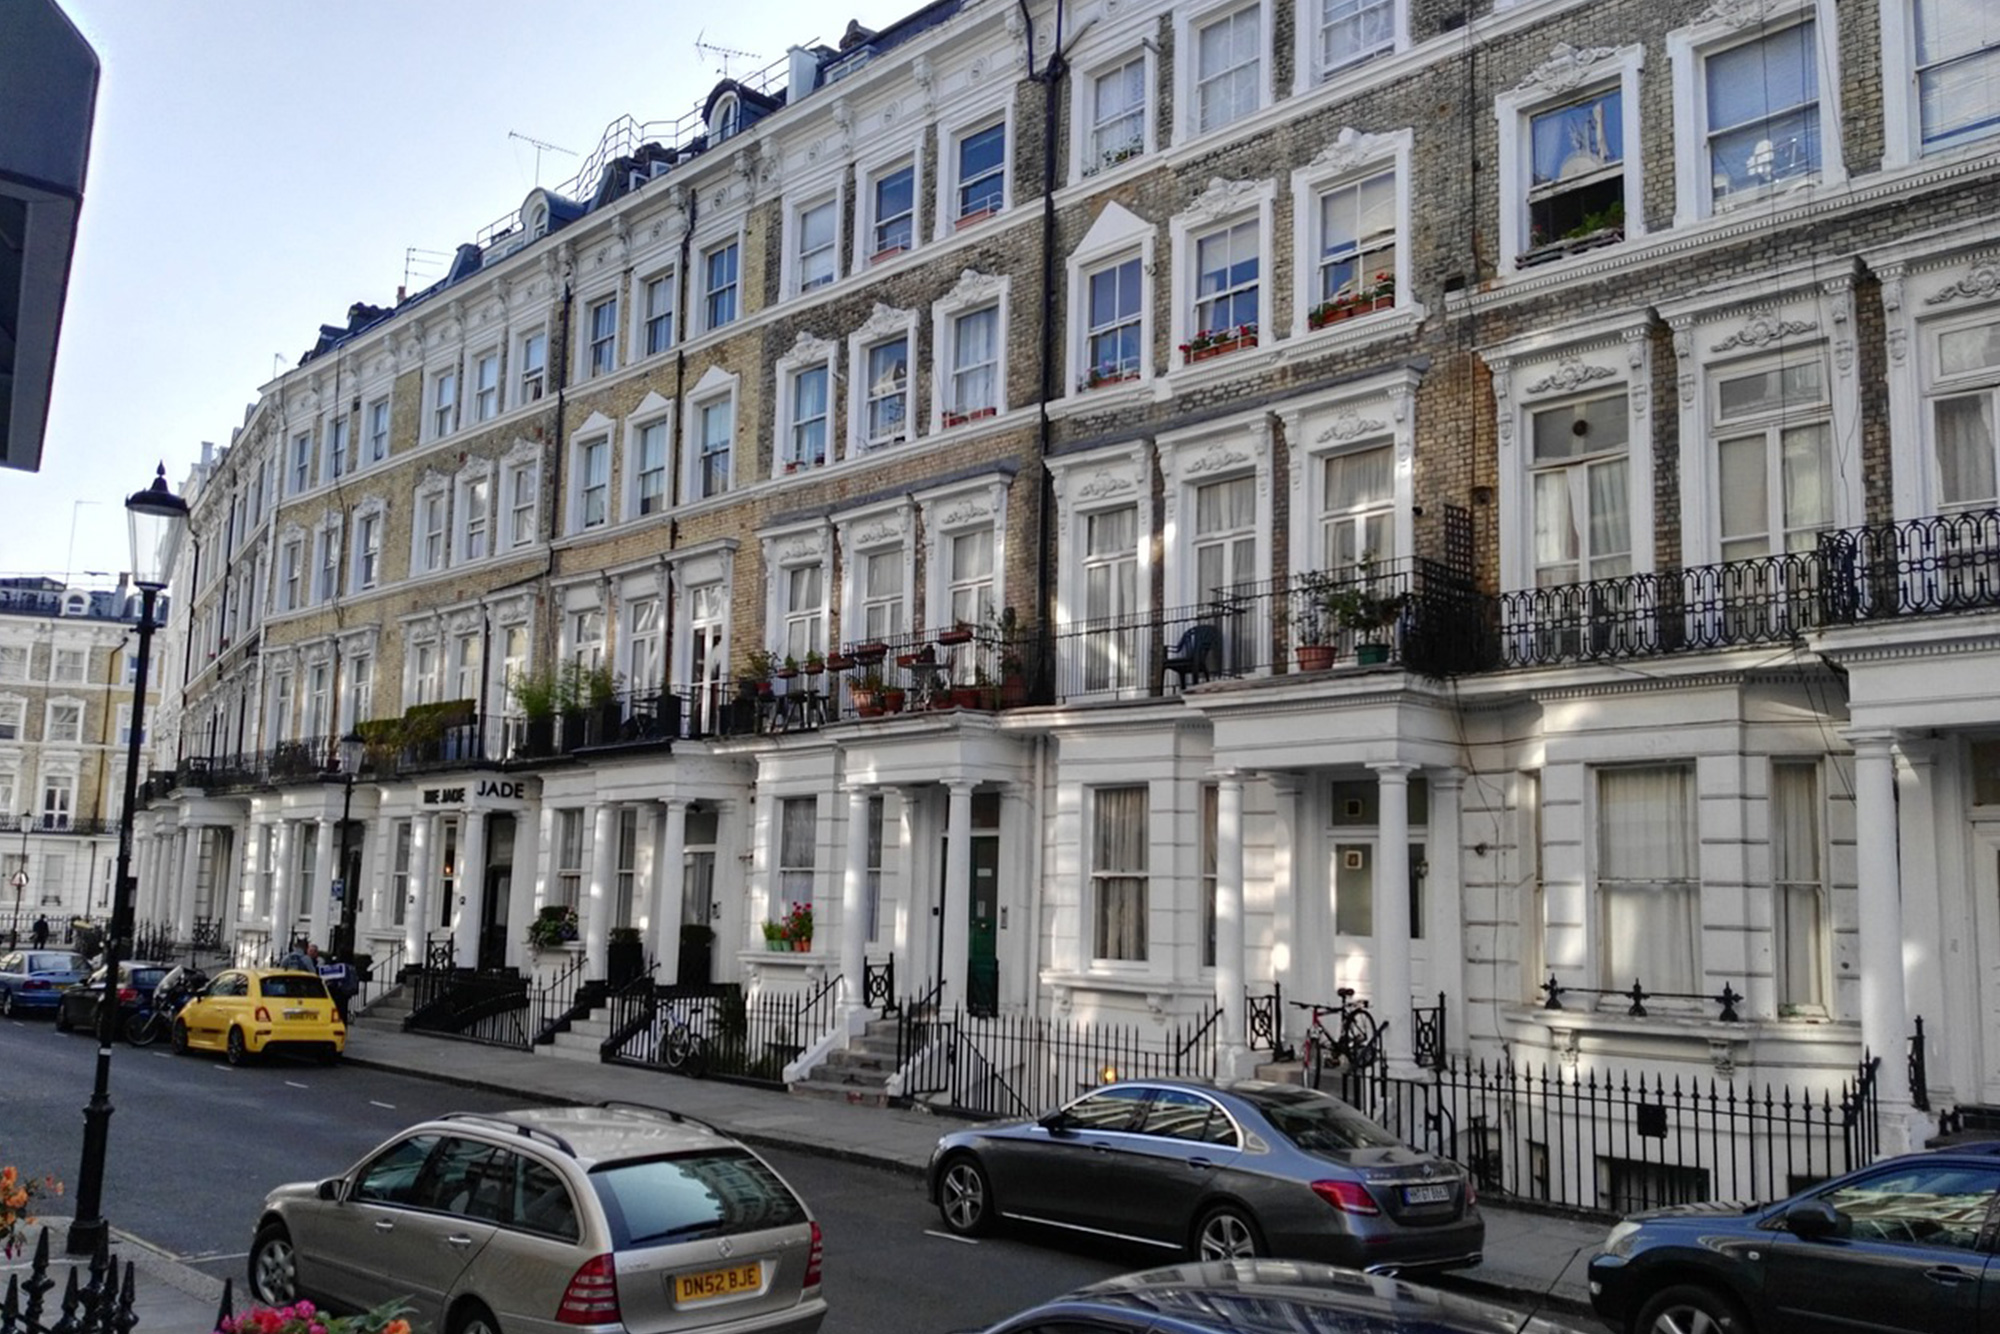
(982, 980)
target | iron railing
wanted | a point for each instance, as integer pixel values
(1610, 1143)
(1428, 1034)
(878, 985)
(1020, 1065)
(383, 975)
(556, 1001)
(745, 1040)
(449, 1001)
(1916, 1067)
(1263, 1021)
(101, 1302)
(1637, 994)
(1940, 564)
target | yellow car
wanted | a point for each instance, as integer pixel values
(246, 1012)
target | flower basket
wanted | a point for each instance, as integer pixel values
(957, 635)
(799, 926)
(17, 1198)
(871, 652)
(893, 699)
(553, 927)
(1212, 350)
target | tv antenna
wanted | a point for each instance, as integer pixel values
(541, 146)
(703, 50)
(414, 258)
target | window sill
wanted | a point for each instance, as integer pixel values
(1161, 993)
(1388, 323)
(1213, 370)
(1107, 397)
(1676, 1034)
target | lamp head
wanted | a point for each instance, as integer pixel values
(157, 519)
(352, 748)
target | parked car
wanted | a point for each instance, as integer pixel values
(1219, 1171)
(80, 1003)
(1905, 1244)
(247, 1012)
(1266, 1297)
(619, 1217)
(32, 981)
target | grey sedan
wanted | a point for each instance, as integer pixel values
(1218, 1171)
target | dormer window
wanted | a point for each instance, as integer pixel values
(724, 120)
(538, 221)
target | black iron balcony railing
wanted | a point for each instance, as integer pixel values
(1937, 565)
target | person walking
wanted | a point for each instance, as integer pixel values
(40, 931)
(299, 958)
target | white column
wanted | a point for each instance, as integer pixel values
(1391, 1001)
(669, 886)
(854, 903)
(229, 881)
(142, 871)
(471, 888)
(533, 834)
(919, 934)
(597, 909)
(1229, 963)
(954, 967)
(376, 910)
(1884, 1018)
(1444, 902)
(320, 932)
(190, 882)
(284, 891)
(417, 898)
(1924, 931)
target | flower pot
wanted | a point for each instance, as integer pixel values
(956, 636)
(968, 697)
(867, 703)
(1218, 349)
(893, 699)
(1370, 655)
(870, 653)
(1013, 692)
(1315, 657)
(803, 946)
(777, 944)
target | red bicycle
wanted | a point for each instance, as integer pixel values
(1355, 1043)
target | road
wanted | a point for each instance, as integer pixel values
(196, 1143)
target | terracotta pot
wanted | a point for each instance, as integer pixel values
(893, 700)
(1315, 657)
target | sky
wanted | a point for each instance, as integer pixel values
(257, 166)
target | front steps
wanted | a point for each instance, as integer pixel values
(859, 1073)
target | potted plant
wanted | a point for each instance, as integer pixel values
(1354, 605)
(789, 670)
(865, 687)
(893, 698)
(697, 952)
(774, 936)
(599, 689)
(1311, 624)
(553, 927)
(839, 662)
(1214, 342)
(624, 956)
(758, 665)
(1009, 659)
(799, 926)
(815, 663)
(961, 633)
(537, 692)
(870, 652)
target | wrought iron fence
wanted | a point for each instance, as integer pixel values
(747, 1040)
(1263, 1021)
(383, 975)
(878, 985)
(1428, 1034)
(1938, 564)
(1020, 1065)
(448, 1001)
(100, 1302)
(1610, 1142)
(1637, 994)
(555, 1002)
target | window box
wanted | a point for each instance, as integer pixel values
(1544, 252)
(883, 256)
(1218, 342)
(838, 662)
(977, 216)
(870, 653)
(957, 635)
(1347, 308)
(1099, 376)
(961, 418)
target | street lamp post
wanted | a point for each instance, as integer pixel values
(157, 519)
(20, 880)
(352, 748)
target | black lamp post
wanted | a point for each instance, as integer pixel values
(352, 748)
(20, 880)
(158, 521)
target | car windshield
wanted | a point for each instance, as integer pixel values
(1319, 1124)
(145, 979)
(711, 1194)
(294, 986)
(55, 963)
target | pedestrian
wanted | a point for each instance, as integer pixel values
(298, 958)
(40, 931)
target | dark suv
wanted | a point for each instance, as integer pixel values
(1906, 1245)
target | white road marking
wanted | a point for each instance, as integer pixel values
(946, 1236)
(208, 1259)
(293, 1083)
(389, 1105)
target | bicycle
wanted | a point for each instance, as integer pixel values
(1357, 1045)
(683, 1048)
(155, 1020)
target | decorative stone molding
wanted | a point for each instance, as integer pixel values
(806, 350)
(1566, 67)
(884, 321)
(1349, 426)
(1351, 147)
(1981, 282)
(1742, 13)
(1105, 483)
(1570, 373)
(1220, 199)
(974, 287)
(1761, 331)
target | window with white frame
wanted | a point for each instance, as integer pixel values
(1119, 861)
(523, 495)
(1358, 500)
(378, 430)
(1773, 435)
(326, 566)
(124, 732)
(982, 172)
(586, 639)
(513, 662)
(1958, 70)
(1228, 263)
(13, 663)
(649, 468)
(625, 862)
(569, 857)
(58, 806)
(708, 626)
(1228, 68)
(534, 365)
(431, 530)
(969, 573)
(885, 407)
(892, 211)
(281, 706)
(1110, 569)
(874, 867)
(818, 232)
(1224, 547)
(1648, 888)
(1347, 32)
(658, 313)
(644, 665)
(424, 666)
(10, 781)
(13, 722)
(399, 873)
(719, 279)
(1579, 481)
(1576, 169)
(1798, 887)
(318, 701)
(1356, 237)
(593, 483)
(444, 403)
(1113, 302)
(798, 829)
(63, 721)
(715, 437)
(1965, 413)
(468, 665)
(1211, 840)
(68, 665)
(291, 575)
(486, 386)
(883, 596)
(1760, 114)
(1570, 165)
(804, 611)
(810, 402)
(338, 462)
(975, 364)
(302, 453)
(1115, 115)
(602, 353)
(358, 699)
(475, 517)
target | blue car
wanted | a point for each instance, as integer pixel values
(32, 981)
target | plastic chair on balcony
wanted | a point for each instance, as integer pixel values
(1197, 657)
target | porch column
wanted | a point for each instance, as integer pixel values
(471, 888)
(1885, 1022)
(284, 890)
(854, 903)
(229, 873)
(603, 870)
(1233, 1050)
(142, 871)
(1924, 926)
(190, 882)
(954, 967)
(376, 911)
(324, 847)
(669, 886)
(1391, 1001)
(417, 901)
(533, 834)
(1444, 903)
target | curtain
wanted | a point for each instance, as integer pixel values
(1118, 865)
(1965, 450)
(1746, 508)
(1610, 519)
(795, 852)
(1646, 877)
(1795, 876)
(1805, 459)
(976, 358)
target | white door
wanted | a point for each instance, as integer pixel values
(1986, 899)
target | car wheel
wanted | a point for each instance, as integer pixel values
(1227, 1233)
(472, 1318)
(63, 1022)
(178, 1040)
(274, 1269)
(1690, 1309)
(6, 1005)
(239, 1051)
(965, 1197)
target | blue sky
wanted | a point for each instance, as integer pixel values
(257, 166)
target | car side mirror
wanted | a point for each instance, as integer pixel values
(1814, 1219)
(333, 1188)
(1056, 1122)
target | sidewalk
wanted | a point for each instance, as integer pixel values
(1527, 1254)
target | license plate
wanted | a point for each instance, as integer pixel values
(713, 1283)
(1426, 1194)
(298, 1014)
